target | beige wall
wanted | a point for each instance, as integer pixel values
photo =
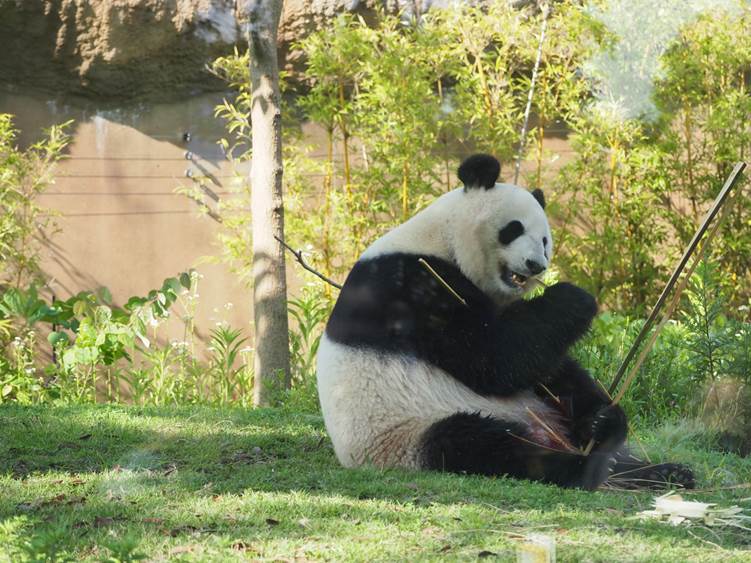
(122, 225)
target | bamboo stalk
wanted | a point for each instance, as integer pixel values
(443, 282)
(674, 303)
(523, 137)
(550, 431)
(572, 452)
(719, 201)
(716, 207)
(549, 392)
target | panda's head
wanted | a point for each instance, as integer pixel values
(499, 232)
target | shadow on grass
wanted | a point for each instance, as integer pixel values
(229, 477)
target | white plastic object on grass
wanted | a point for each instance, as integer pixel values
(673, 509)
(536, 548)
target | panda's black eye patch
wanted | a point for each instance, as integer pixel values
(544, 241)
(512, 231)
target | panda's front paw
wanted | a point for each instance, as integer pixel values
(609, 427)
(578, 306)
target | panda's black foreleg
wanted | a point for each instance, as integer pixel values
(532, 337)
(477, 444)
(586, 404)
(583, 400)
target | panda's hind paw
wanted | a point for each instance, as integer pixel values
(659, 476)
(676, 474)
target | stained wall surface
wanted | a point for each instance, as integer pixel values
(122, 225)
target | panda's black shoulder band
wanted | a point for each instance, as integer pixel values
(539, 196)
(479, 171)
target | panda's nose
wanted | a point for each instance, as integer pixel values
(534, 267)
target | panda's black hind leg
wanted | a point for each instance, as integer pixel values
(477, 444)
(630, 472)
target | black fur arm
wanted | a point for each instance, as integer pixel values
(587, 405)
(394, 304)
(533, 336)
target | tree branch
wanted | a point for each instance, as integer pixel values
(298, 255)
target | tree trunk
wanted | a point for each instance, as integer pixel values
(267, 208)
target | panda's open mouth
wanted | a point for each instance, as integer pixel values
(512, 279)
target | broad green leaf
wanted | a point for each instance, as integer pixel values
(105, 295)
(172, 284)
(58, 337)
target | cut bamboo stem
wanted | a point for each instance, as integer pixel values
(443, 282)
(716, 207)
(544, 447)
(552, 432)
(719, 201)
(549, 392)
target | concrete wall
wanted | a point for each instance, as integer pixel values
(122, 225)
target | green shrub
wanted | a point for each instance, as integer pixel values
(664, 389)
(638, 185)
(88, 333)
(24, 175)
(693, 361)
(310, 312)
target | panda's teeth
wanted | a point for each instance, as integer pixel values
(518, 279)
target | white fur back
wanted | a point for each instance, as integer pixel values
(427, 232)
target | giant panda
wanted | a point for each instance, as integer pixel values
(432, 360)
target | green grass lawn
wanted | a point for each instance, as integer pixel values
(121, 483)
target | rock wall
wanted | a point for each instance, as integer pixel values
(139, 49)
(114, 48)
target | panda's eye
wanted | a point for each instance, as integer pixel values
(509, 233)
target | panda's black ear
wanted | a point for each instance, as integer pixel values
(539, 196)
(479, 171)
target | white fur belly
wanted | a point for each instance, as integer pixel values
(376, 407)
